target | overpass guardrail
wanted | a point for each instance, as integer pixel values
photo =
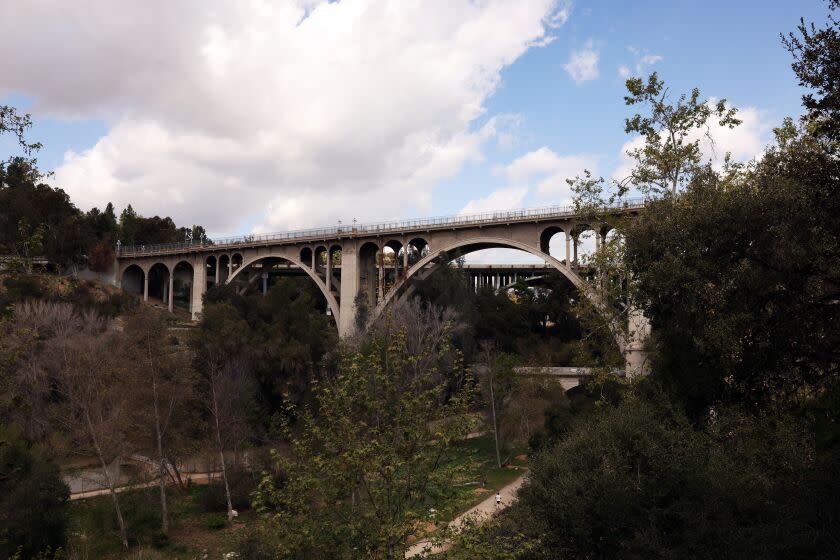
(375, 228)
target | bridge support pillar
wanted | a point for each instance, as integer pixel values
(146, 286)
(171, 292)
(349, 289)
(568, 249)
(380, 285)
(636, 353)
(328, 279)
(199, 286)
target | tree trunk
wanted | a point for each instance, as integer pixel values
(111, 486)
(221, 447)
(493, 411)
(164, 510)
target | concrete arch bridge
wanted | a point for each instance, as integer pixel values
(381, 261)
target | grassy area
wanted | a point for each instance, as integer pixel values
(197, 524)
(197, 515)
(482, 475)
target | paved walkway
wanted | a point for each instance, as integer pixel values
(481, 512)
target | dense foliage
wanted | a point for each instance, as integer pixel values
(33, 499)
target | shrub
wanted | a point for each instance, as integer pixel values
(20, 287)
(33, 499)
(216, 522)
(241, 484)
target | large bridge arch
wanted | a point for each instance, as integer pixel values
(469, 245)
(472, 245)
(328, 295)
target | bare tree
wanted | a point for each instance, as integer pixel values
(96, 403)
(163, 404)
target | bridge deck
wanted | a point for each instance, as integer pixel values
(372, 230)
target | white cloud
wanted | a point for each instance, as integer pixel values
(267, 115)
(550, 171)
(508, 198)
(583, 64)
(642, 59)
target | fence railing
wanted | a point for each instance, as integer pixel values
(367, 229)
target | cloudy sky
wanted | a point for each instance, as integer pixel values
(268, 115)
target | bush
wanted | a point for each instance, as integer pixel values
(638, 481)
(216, 522)
(241, 484)
(33, 499)
(257, 544)
(20, 287)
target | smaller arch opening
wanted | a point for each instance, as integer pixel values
(417, 249)
(211, 267)
(133, 279)
(159, 282)
(224, 268)
(368, 271)
(306, 256)
(183, 276)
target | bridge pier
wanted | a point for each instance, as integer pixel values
(636, 352)
(199, 286)
(349, 289)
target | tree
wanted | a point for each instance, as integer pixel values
(739, 278)
(17, 124)
(164, 401)
(636, 480)
(363, 470)
(96, 402)
(222, 360)
(671, 153)
(33, 499)
(816, 54)
(500, 384)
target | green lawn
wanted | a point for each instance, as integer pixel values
(198, 515)
(93, 533)
(482, 478)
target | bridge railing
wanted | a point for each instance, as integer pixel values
(373, 228)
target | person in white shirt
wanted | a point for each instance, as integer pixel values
(498, 499)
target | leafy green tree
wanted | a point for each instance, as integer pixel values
(33, 499)
(638, 481)
(365, 468)
(739, 278)
(816, 54)
(499, 384)
(15, 123)
(671, 153)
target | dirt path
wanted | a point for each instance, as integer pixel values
(482, 511)
(195, 478)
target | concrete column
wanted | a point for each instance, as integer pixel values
(218, 271)
(146, 286)
(314, 267)
(568, 249)
(171, 297)
(575, 256)
(230, 267)
(380, 258)
(329, 271)
(349, 289)
(636, 353)
(199, 286)
(264, 283)
(405, 258)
